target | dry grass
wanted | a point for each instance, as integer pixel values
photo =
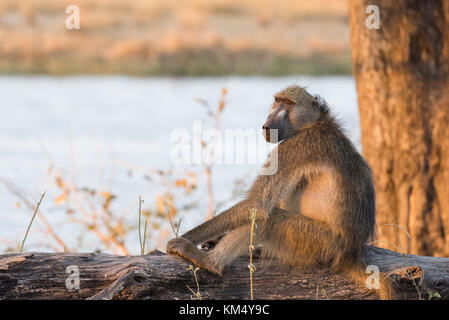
(192, 37)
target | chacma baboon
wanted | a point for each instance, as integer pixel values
(317, 209)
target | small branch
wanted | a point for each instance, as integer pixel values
(31, 222)
(194, 271)
(251, 267)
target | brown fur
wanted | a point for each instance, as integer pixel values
(317, 209)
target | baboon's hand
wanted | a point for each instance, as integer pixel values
(187, 250)
(178, 245)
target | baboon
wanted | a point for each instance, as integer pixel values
(318, 209)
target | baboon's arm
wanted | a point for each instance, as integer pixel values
(230, 219)
(258, 197)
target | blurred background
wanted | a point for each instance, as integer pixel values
(86, 115)
(182, 38)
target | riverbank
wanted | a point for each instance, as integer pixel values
(166, 37)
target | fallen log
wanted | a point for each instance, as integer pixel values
(158, 275)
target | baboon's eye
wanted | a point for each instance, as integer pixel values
(277, 99)
(289, 103)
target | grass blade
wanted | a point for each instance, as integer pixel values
(31, 222)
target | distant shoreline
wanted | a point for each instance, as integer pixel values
(188, 63)
(176, 38)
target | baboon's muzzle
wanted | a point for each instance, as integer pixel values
(271, 134)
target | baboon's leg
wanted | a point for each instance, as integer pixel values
(300, 241)
(233, 245)
(230, 219)
(230, 247)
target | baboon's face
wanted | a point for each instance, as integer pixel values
(287, 117)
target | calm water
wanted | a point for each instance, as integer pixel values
(101, 129)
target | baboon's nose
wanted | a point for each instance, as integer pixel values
(266, 132)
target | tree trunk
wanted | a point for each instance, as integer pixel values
(401, 73)
(161, 276)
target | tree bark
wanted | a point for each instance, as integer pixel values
(401, 73)
(161, 276)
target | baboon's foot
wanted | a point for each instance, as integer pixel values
(211, 268)
(187, 250)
